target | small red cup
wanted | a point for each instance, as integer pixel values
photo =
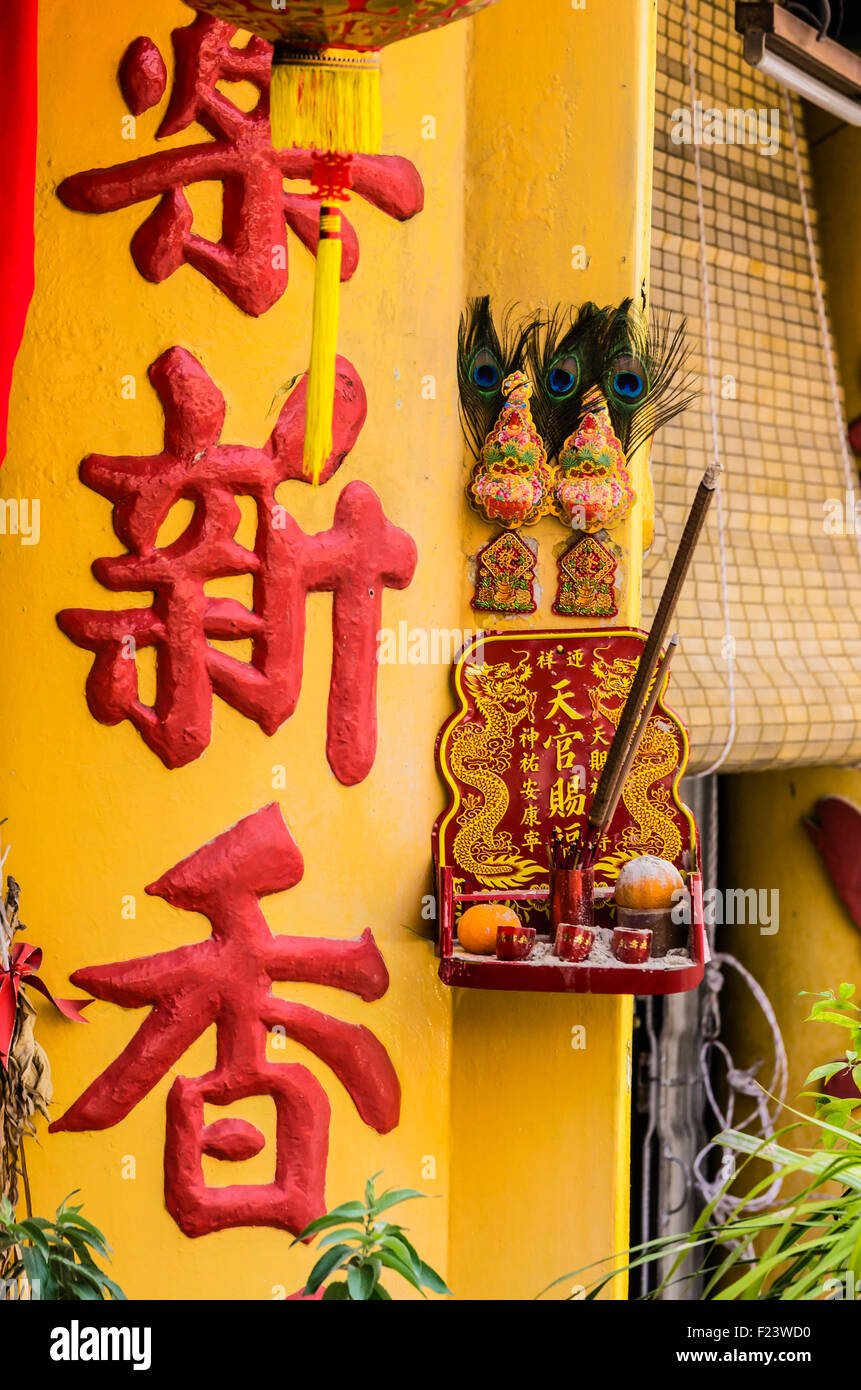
(631, 947)
(514, 943)
(574, 942)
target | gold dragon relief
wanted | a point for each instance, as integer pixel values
(481, 759)
(480, 756)
(655, 828)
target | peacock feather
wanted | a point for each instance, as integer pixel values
(564, 365)
(637, 364)
(486, 357)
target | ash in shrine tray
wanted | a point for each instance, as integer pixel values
(600, 955)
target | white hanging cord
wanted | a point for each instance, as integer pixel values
(849, 470)
(767, 1103)
(713, 841)
(716, 451)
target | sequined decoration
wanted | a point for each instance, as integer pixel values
(505, 576)
(512, 482)
(594, 491)
(587, 581)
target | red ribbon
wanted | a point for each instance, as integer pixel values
(24, 962)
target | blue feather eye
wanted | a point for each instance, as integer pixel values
(563, 377)
(629, 385)
(485, 371)
(628, 380)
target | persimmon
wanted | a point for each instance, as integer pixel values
(476, 930)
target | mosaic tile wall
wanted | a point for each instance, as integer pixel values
(793, 591)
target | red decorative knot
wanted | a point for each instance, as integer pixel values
(331, 176)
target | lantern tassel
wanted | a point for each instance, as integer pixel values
(324, 345)
(328, 100)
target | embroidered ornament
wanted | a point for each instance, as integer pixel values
(512, 482)
(594, 490)
(505, 576)
(587, 581)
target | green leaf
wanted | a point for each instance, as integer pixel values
(433, 1281)
(393, 1197)
(87, 1294)
(82, 1244)
(34, 1234)
(829, 1069)
(332, 1260)
(360, 1282)
(342, 1234)
(392, 1262)
(38, 1272)
(830, 1016)
(370, 1192)
(335, 1292)
(776, 1153)
(347, 1212)
(80, 1223)
(404, 1252)
(380, 1294)
(92, 1276)
(114, 1290)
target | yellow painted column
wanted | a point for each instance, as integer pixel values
(93, 815)
(559, 159)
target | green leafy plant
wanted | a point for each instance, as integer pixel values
(360, 1246)
(56, 1257)
(806, 1246)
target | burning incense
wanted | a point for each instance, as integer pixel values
(651, 652)
(634, 749)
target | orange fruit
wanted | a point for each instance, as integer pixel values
(476, 930)
(647, 882)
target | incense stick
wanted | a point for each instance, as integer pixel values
(634, 749)
(652, 648)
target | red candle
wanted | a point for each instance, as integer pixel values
(574, 942)
(631, 947)
(514, 943)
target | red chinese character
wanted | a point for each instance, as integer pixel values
(359, 556)
(249, 263)
(226, 980)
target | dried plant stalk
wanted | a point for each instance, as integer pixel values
(25, 1087)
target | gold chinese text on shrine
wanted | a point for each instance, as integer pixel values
(522, 754)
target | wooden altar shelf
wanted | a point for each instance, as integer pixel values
(550, 975)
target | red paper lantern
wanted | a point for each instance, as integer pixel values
(357, 24)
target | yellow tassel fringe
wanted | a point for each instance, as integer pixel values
(324, 346)
(327, 103)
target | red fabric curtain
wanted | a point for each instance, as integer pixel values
(18, 164)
